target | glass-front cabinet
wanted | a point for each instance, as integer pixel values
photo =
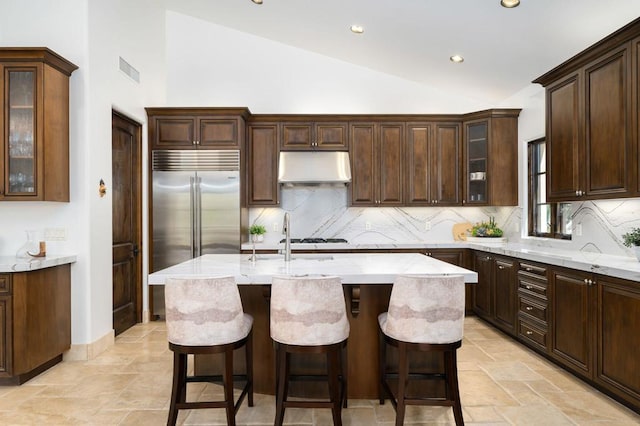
(477, 154)
(34, 120)
(20, 92)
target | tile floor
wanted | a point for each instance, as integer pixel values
(501, 382)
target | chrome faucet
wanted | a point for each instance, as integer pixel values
(286, 230)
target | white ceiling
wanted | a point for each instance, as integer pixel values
(504, 49)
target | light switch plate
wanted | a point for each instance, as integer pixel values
(55, 234)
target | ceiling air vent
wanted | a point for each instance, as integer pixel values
(129, 70)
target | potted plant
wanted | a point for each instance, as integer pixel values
(257, 232)
(632, 239)
(486, 230)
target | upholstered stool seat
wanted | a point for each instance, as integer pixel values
(426, 314)
(205, 316)
(308, 315)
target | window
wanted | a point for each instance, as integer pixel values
(551, 220)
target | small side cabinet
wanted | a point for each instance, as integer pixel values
(34, 120)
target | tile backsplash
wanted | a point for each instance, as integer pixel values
(322, 211)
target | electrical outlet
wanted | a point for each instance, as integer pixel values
(427, 225)
(367, 226)
(275, 227)
(579, 230)
(55, 234)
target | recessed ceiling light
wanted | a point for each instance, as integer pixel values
(357, 29)
(456, 58)
(509, 3)
(257, 1)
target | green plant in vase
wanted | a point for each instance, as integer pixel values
(632, 239)
(257, 232)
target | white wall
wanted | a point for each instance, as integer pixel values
(92, 35)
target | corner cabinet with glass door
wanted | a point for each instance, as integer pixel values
(34, 118)
(491, 158)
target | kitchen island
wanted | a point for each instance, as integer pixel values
(367, 280)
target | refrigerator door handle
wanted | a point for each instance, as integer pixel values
(198, 216)
(192, 212)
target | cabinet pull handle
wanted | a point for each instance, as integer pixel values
(528, 269)
(500, 267)
(529, 332)
(528, 287)
(529, 308)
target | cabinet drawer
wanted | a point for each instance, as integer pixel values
(532, 285)
(533, 269)
(532, 334)
(5, 283)
(529, 307)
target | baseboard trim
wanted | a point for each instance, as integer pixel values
(91, 350)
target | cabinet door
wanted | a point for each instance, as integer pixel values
(505, 294)
(445, 170)
(177, 132)
(22, 155)
(608, 154)
(262, 167)
(571, 340)
(390, 161)
(363, 164)
(219, 133)
(418, 164)
(331, 136)
(297, 136)
(6, 326)
(636, 108)
(476, 162)
(618, 322)
(564, 152)
(482, 300)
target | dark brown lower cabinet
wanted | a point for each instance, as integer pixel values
(495, 294)
(572, 320)
(618, 337)
(35, 321)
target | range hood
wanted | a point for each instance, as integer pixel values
(314, 167)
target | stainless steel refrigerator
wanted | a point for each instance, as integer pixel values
(195, 207)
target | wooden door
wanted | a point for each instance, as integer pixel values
(263, 164)
(570, 319)
(331, 136)
(564, 140)
(364, 172)
(445, 181)
(608, 153)
(126, 221)
(218, 133)
(390, 161)
(178, 132)
(505, 294)
(297, 136)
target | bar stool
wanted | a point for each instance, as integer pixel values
(205, 316)
(426, 314)
(308, 315)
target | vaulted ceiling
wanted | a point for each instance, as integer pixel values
(503, 49)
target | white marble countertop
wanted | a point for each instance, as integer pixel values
(625, 267)
(13, 264)
(352, 268)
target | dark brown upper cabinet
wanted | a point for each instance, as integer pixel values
(592, 121)
(377, 164)
(196, 128)
(262, 164)
(490, 166)
(34, 118)
(433, 158)
(303, 136)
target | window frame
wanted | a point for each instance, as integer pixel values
(532, 188)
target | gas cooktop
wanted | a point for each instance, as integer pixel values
(314, 240)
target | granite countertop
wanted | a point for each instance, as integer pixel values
(352, 268)
(625, 267)
(13, 264)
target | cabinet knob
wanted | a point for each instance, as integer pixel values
(529, 308)
(528, 287)
(529, 332)
(528, 269)
(500, 267)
